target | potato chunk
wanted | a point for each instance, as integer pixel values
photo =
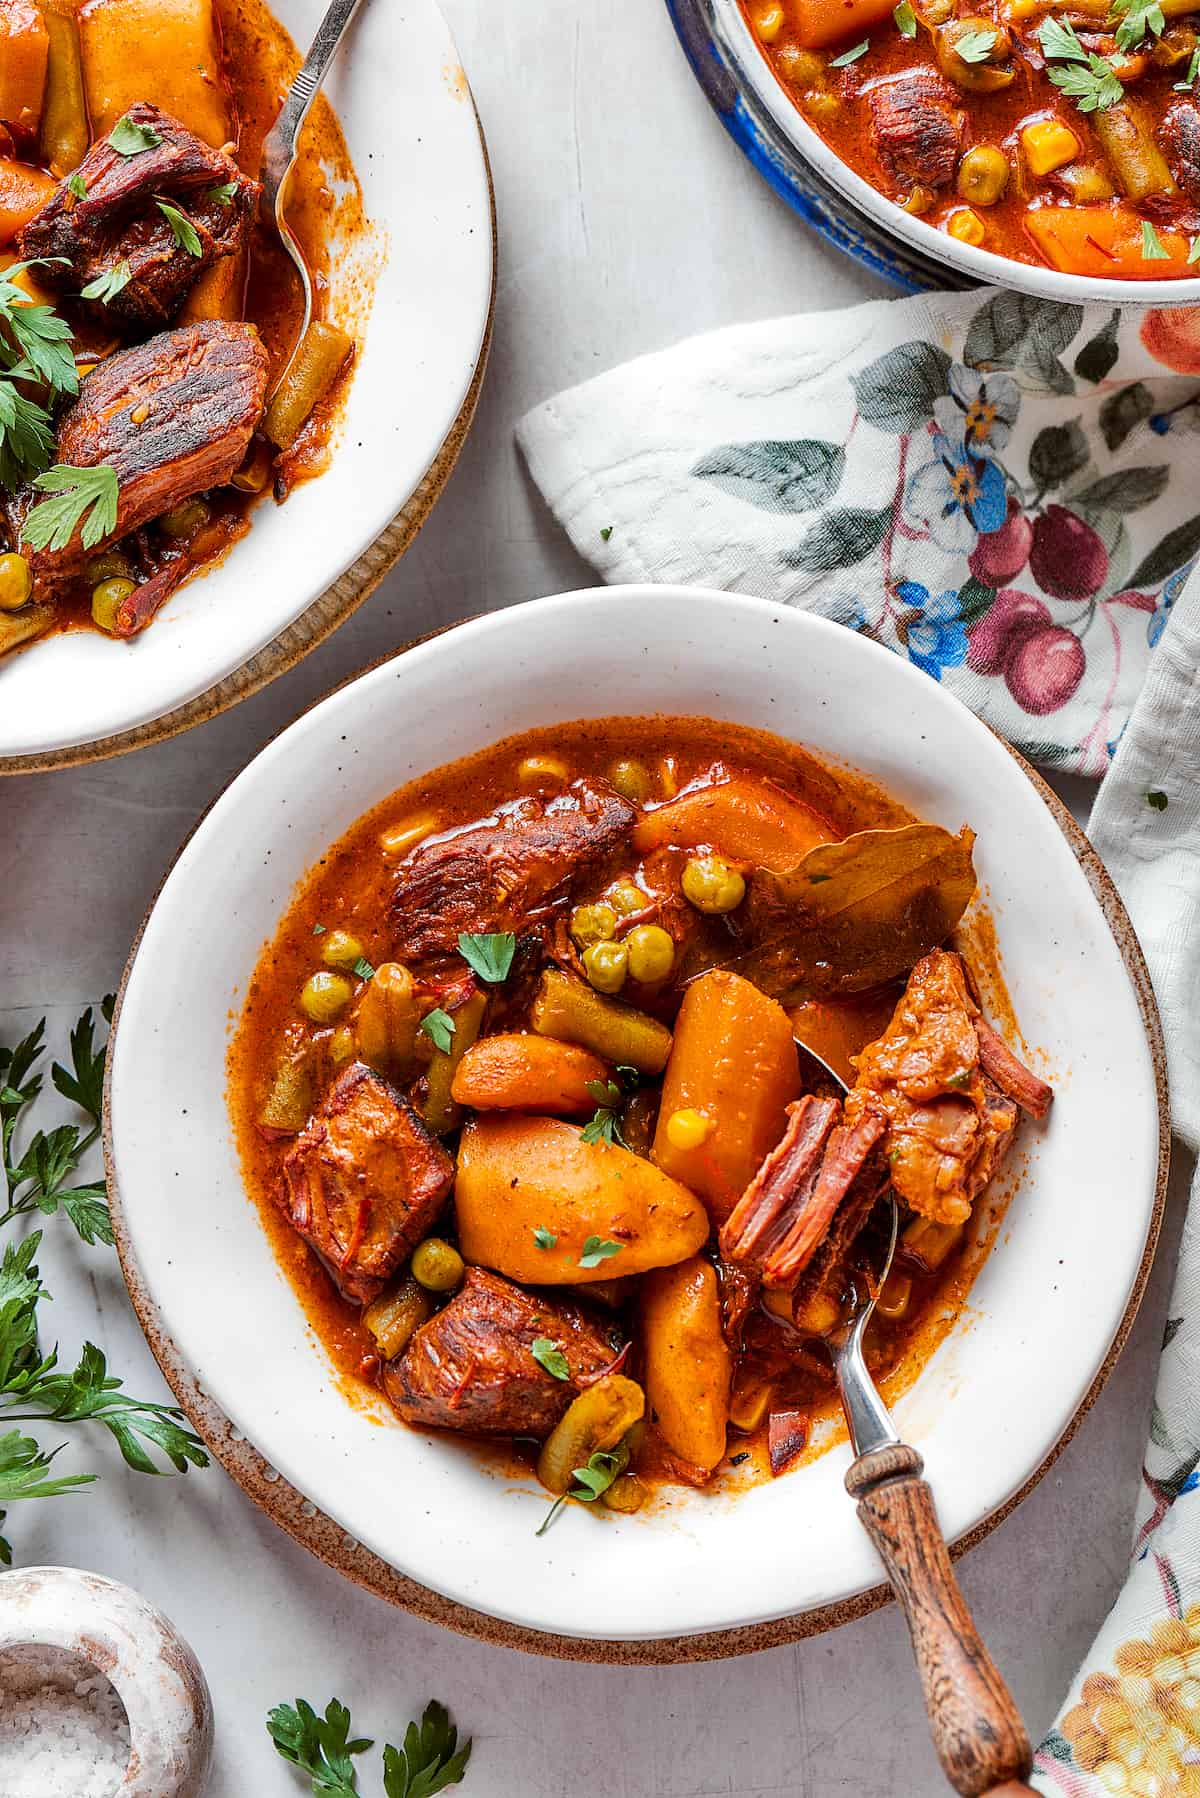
(168, 48)
(24, 47)
(518, 1175)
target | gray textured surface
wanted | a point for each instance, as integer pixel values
(627, 221)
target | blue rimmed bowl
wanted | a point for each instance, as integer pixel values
(772, 132)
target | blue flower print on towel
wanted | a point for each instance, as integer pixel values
(958, 496)
(938, 638)
(981, 409)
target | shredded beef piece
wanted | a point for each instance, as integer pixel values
(364, 1182)
(513, 873)
(171, 417)
(119, 220)
(941, 1082)
(471, 1367)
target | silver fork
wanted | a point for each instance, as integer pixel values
(976, 1728)
(281, 143)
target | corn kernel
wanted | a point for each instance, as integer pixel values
(966, 225)
(687, 1129)
(1048, 145)
(1023, 9)
(398, 839)
(769, 23)
(536, 769)
(918, 201)
(821, 106)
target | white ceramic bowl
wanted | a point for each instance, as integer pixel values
(1002, 1389)
(410, 125)
(751, 68)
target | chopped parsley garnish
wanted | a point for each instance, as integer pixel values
(108, 285)
(439, 1027)
(77, 185)
(606, 531)
(1153, 248)
(1157, 801)
(319, 929)
(604, 1124)
(76, 491)
(490, 956)
(544, 1238)
(1194, 250)
(363, 969)
(549, 1355)
(974, 46)
(1089, 80)
(591, 1482)
(130, 139)
(1137, 18)
(1193, 70)
(906, 19)
(182, 228)
(848, 56)
(35, 345)
(222, 195)
(596, 1249)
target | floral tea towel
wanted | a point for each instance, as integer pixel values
(1000, 488)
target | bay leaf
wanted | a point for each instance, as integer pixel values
(854, 914)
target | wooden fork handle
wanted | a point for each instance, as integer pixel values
(976, 1728)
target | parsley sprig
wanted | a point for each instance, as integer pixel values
(36, 1175)
(89, 494)
(107, 286)
(429, 1760)
(974, 46)
(128, 138)
(1089, 80)
(35, 346)
(182, 228)
(1137, 18)
(591, 1481)
(604, 1126)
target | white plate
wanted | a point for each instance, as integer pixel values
(410, 126)
(999, 1392)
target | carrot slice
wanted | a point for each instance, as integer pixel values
(817, 23)
(1106, 242)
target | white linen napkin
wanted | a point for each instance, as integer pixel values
(996, 486)
(1003, 490)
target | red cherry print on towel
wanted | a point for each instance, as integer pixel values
(1045, 669)
(1068, 560)
(1009, 619)
(1001, 555)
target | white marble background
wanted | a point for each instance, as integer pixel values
(627, 220)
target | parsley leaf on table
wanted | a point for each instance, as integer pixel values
(51, 524)
(490, 955)
(23, 1469)
(430, 1759)
(320, 1747)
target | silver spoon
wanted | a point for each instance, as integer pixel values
(281, 142)
(976, 1727)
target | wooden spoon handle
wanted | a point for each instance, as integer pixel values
(976, 1728)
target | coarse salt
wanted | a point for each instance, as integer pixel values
(64, 1732)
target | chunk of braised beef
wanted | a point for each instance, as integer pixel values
(917, 128)
(1179, 135)
(513, 873)
(170, 417)
(472, 1367)
(119, 220)
(364, 1182)
(948, 1088)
